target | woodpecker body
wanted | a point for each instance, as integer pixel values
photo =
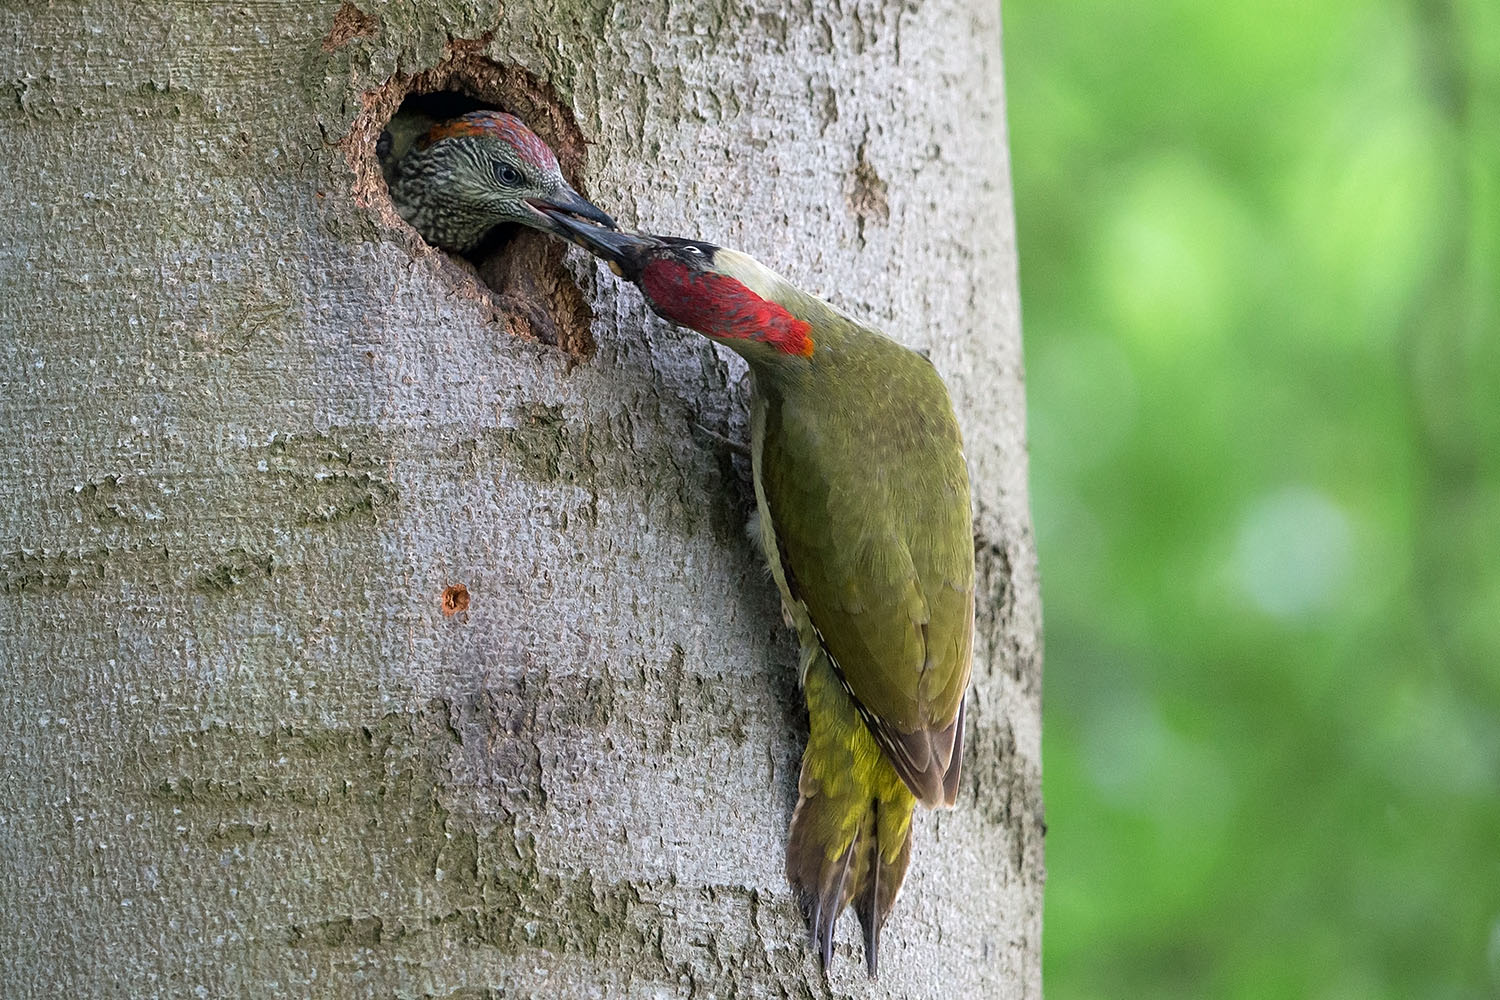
(455, 181)
(863, 500)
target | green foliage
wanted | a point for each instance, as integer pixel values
(1260, 261)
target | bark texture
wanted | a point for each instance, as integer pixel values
(253, 431)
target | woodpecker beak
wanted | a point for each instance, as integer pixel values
(566, 202)
(623, 252)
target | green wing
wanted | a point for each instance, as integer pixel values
(868, 494)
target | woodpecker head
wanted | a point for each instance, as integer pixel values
(724, 295)
(468, 175)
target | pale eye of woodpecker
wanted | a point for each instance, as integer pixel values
(507, 175)
(689, 248)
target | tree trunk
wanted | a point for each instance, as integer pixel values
(256, 432)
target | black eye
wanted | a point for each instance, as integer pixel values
(689, 248)
(507, 175)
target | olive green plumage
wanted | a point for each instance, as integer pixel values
(863, 496)
(863, 499)
(860, 470)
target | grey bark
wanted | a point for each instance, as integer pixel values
(250, 439)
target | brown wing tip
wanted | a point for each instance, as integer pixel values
(930, 762)
(956, 763)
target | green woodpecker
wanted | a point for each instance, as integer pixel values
(459, 179)
(863, 501)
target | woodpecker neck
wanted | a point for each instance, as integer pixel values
(724, 308)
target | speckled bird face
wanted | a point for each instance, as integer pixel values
(468, 175)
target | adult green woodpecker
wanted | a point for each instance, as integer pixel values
(459, 179)
(863, 501)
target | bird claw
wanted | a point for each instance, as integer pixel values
(738, 447)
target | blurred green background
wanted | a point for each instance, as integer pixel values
(1260, 266)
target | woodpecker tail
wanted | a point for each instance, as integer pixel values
(850, 839)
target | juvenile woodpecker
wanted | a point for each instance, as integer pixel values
(863, 500)
(459, 179)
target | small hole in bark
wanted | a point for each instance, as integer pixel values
(455, 600)
(516, 273)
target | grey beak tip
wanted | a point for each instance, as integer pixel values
(576, 204)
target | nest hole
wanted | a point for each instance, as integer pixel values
(516, 273)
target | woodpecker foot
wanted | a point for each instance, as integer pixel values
(738, 447)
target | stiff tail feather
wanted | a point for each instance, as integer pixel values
(850, 839)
